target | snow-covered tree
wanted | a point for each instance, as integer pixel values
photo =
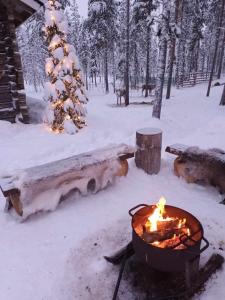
(101, 25)
(33, 50)
(65, 90)
(74, 24)
(163, 34)
(143, 19)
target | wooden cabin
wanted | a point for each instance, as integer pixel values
(12, 95)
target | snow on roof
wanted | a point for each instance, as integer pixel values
(35, 4)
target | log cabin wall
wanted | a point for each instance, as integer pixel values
(12, 96)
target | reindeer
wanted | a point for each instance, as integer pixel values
(120, 93)
(148, 88)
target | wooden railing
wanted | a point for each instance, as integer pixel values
(192, 79)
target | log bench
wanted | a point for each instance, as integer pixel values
(199, 166)
(41, 188)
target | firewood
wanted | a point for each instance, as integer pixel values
(118, 257)
(214, 263)
(168, 224)
(171, 243)
(151, 237)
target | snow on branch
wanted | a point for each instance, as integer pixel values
(65, 90)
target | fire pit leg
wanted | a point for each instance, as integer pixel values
(126, 255)
(119, 278)
(191, 272)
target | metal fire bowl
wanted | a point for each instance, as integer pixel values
(168, 259)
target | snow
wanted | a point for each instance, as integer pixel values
(58, 53)
(61, 252)
(69, 126)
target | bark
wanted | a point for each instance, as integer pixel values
(172, 54)
(148, 154)
(151, 237)
(87, 172)
(213, 264)
(222, 101)
(127, 83)
(136, 67)
(86, 77)
(160, 78)
(216, 47)
(95, 77)
(147, 61)
(114, 70)
(221, 58)
(180, 48)
(106, 72)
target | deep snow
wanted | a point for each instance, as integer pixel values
(53, 255)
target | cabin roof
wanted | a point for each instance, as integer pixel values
(23, 9)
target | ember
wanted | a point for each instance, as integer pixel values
(162, 230)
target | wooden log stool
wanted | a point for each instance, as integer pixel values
(148, 154)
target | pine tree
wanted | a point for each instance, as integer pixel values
(74, 24)
(142, 15)
(127, 72)
(101, 25)
(217, 38)
(65, 90)
(174, 16)
(33, 50)
(163, 34)
(84, 50)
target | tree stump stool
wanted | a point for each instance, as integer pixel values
(148, 154)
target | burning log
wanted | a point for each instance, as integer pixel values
(161, 235)
(167, 224)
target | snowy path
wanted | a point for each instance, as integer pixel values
(53, 256)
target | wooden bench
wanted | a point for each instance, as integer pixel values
(199, 166)
(41, 188)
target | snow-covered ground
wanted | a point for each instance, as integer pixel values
(59, 255)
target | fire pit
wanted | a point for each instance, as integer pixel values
(166, 237)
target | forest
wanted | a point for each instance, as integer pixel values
(129, 44)
(112, 173)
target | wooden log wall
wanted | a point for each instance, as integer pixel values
(12, 97)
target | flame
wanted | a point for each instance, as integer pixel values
(164, 230)
(158, 214)
(181, 223)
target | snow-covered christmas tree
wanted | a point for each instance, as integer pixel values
(65, 91)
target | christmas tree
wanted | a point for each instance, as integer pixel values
(65, 91)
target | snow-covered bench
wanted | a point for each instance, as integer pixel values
(200, 166)
(41, 188)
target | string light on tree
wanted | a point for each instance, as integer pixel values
(65, 91)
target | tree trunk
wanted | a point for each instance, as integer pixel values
(216, 47)
(147, 62)
(221, 58)
(180, 47)
(172, 54)
(106, 72)
(148, 154)
(222, 101)
(95, 76)
(114, 70)
(136, 67)
(160, 77)
(127, 100)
